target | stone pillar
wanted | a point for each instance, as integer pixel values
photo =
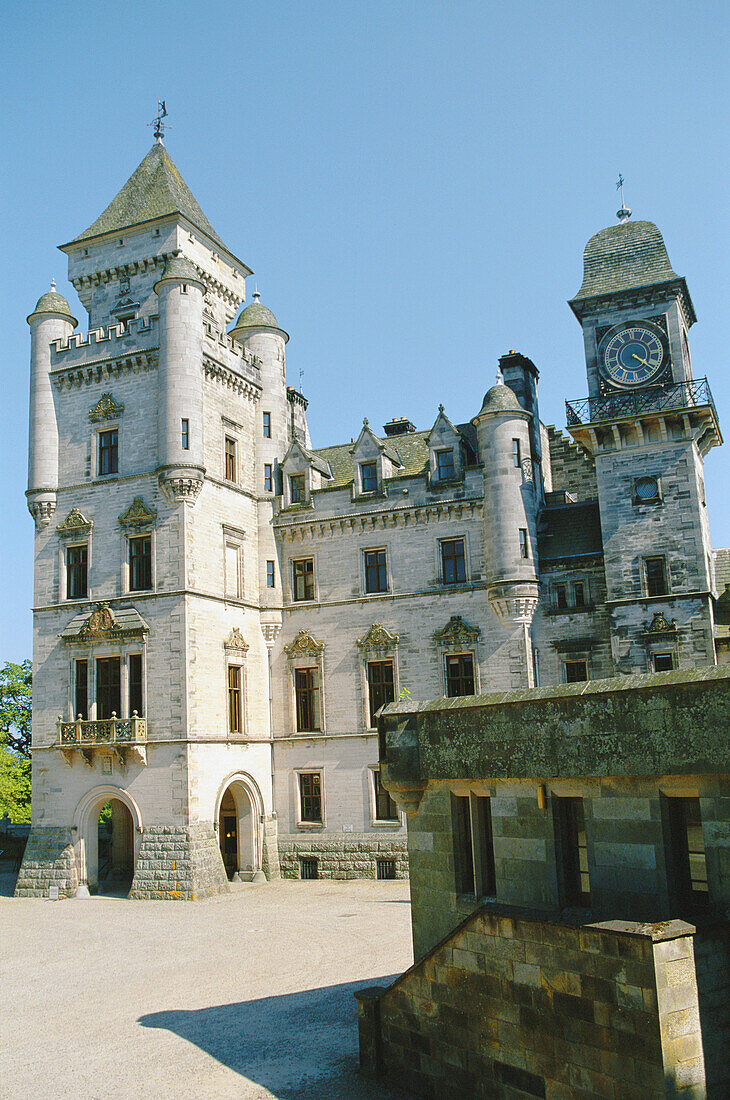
(49, 860)
(179, 863)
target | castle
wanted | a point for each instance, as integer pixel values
(221, 609)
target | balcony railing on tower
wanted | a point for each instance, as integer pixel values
(123, 738)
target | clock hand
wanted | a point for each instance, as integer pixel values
(635, 356)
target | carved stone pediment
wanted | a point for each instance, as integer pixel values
(138, 514)
(303, 645)
(235, 640)
(106, 408)
(660, 624)
(75, 523)
(456, 632)
(100, 622)
(377, 637)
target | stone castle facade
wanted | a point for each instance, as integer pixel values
(220, 609)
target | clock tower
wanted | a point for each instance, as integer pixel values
(648, 423)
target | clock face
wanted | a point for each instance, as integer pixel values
(632, 355)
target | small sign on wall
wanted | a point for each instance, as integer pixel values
(53, 893)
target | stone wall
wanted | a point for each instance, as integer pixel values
(179, 864)
(49, 860)
(572, 469)
(354, 855)
(511, 1004)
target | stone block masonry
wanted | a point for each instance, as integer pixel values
(349, 856)
(176, 863)
(513, 1004)
(49, 860)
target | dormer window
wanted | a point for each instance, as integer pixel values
(297, 488)
(445, 469)
(369, 476)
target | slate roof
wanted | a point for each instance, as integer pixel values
(53, 302)
(570, 531)
(411, 448)
(624, 256)
(154, 189)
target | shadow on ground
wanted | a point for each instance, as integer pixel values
(8, 879)
(299, 1046)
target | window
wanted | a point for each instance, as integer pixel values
(524, 545)
(385, 807)
(109, 452)
(108, 696)
(376, 573)
(445, 470)
(76, 572)
(303, 579)
(267, 425)
(297, 489)
(646, 490)
(235, 712)
(516, 453)
(136, 697)
(81, 689)
(579, 594)
(308, 867)
(385, 868)
(369, 476)
(453, 561)
(570, 836)
(310, 796)
(306, 689)
(687, 852)
(460, 675)
(185, 434)
(575, 671)
(473, 845)
(270, 575)
(381, 689)
(233, 570)
(268, 477)
(230, 458)
(662, 662)
(656, 576)
(140, 563)
(561, 597)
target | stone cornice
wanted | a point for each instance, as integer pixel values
(409, 516)
(131, 362)
(216, 372)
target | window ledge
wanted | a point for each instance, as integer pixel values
(313, 826)
(386, 825)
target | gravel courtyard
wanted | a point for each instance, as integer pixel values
(246, 995)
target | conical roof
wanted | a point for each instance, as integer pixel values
(53, 302)
(155, 189)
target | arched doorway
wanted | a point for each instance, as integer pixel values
(115, 847)
(108, 825)
(239, 815)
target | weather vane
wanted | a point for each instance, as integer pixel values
(159, 123)
(624, 213)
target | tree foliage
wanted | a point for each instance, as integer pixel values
(14, 785)
(15, 706)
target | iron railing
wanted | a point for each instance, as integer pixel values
(107, 731)
(680, 395)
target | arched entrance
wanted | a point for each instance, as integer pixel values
(239, 814)
(106, 849)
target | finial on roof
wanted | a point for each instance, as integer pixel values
(256, 296)
(158, 122)
(53, 283)
(624, 213)
(365, 422)
(500, 379)
(441, 408)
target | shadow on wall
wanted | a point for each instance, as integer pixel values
(300, 1046)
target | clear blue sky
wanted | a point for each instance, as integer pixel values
(413, 184)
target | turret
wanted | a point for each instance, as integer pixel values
(50, 320)
(180, 411)
(510, 505)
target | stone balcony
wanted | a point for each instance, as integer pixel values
(124, 738)
(655, 414)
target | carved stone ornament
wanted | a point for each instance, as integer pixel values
(661, 625)
(100, 622)
(181, 489)
(377, 637)
(456, 632)
(235, 640)
(303, 645)
(75, 523)
(138, 514)
(106, 408)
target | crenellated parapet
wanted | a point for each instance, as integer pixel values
(105, 352)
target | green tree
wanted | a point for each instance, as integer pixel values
(15, 708)
(15, 747)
